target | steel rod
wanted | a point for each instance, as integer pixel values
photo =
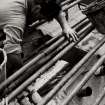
(71, 73)
(71, 5)
(84, 80)
(42, 47)
(61, 69)
(66, 2)
(32, 69)
(20, 71)
(75, 26)
(42, 70)
(33, 61)
(80, 26)
(71, 81)
(65, 79)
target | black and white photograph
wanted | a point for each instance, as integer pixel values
(52, 52)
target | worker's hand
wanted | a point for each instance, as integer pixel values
(70, 34)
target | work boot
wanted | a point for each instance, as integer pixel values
(14, 62)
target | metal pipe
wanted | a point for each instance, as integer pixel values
(76, 26)
(84, 80)
(66, 2)
(33, 61)
(20, 71)
(61, 69)
(32, 69)
(78, 23)
(86, 30)
(80, 26)
(42, 70)
(71, 5)
(64, 80)
(100, 98)
(70, 74)
(42, 47)
(40, 23)
(71, 81)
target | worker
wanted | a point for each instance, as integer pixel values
(16, 15)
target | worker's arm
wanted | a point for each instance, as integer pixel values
(52, 10)
(67, 31)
